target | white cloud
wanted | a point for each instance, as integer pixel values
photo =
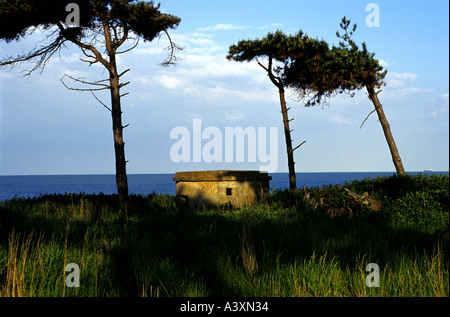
(142, 80)
(171, 82)
(197, 43)
(6, 75)
(222, 27)
(383, 63)
(402, 76)
(399, 86)
(216, 66)
(439, 106)
(342, 121)
(235, 115)
(264, 27)
(193, 40)
(408, 91)
(214, 80)
(397, 80)
(394, 83)
(151, 50)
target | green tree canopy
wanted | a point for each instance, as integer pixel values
(21, 18)
(341, 69)
(144, 18)
(295, 51)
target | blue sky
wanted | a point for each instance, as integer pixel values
(47, 129)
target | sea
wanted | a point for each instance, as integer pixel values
(143, 184)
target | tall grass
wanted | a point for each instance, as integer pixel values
(314, 242)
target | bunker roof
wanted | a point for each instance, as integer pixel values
(224, 175)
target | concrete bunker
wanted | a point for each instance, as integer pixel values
(214, 188)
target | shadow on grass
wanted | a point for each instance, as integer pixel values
(154, 250)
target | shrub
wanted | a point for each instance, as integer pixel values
(421, 210)
(390, 188)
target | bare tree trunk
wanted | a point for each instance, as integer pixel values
(116, 113)
(287, 135)
(387, 130)
(119, 145)
(287, 131)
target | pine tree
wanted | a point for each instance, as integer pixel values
(343, 69)
(280, 50)
(104, 26)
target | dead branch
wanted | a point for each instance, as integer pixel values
(93, 61)
(97, 83)
(100, 101)
(42, 55)
(122, 85)
(91, 90)
(298, 146)
(131, 48)
(367, 118)
(124, 72)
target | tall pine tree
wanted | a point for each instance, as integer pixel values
(104, 27)
(279, 50)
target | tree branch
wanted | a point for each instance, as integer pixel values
(367, 118)
(275, 80)
(173, 47)
(263, 67)
(91, 90)
(42, 55)
(298, 146)
(127, 50)
(98, 56)
(97, 83)
(100, 101)
(95, 60)
(124, 72)
(122, 85)
(118, 43)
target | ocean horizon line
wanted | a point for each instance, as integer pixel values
(173, 173)
(12, 186)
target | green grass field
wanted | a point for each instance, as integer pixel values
(313, 242)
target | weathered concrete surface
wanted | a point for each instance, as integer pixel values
(213, 188)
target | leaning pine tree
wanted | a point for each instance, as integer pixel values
(101, 28)
(360, 69)
(343, 69)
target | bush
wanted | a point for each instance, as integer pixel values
(390, 188)
(421, 210)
